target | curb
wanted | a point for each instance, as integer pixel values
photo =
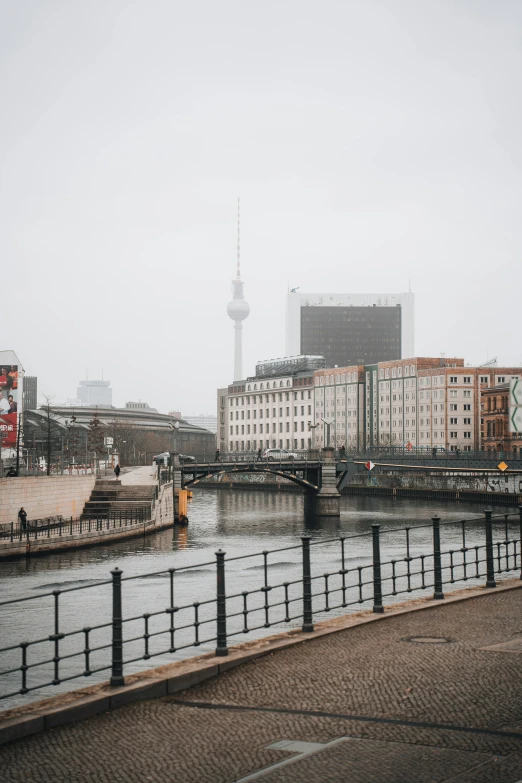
(172, 678)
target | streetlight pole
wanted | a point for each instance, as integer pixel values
(328, 423)
(174, 426)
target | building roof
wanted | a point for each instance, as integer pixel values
(142, 419)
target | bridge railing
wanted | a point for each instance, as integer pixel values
(373, 453)
(242, 456)
(120, 624)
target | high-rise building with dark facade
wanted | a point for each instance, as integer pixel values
(30, 393)
(350, 328)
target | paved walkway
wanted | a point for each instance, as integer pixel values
(415, 698)
(135, 476)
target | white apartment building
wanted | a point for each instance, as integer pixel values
(274, 409)
(270, 414)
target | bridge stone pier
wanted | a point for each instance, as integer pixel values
(326, 502)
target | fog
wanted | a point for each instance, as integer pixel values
(373, 144)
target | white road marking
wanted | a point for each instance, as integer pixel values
(301, 749)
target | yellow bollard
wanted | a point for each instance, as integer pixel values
(182, 504)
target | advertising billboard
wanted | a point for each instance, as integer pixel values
(9, 404)
(11, 400)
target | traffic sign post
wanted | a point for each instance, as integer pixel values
(369, 465)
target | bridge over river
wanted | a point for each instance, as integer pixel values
(323, 474)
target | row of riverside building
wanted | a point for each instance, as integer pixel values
(424, 402)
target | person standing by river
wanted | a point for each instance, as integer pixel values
(117, 472)
(22, 516)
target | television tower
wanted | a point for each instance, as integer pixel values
(238, 309)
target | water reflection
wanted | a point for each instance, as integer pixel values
(238, 522)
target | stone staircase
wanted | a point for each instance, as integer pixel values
(109, 497)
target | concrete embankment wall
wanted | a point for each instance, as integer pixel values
(44, 496)
(413, 493)
(98, 534)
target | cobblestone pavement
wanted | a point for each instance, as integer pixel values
(379, 707)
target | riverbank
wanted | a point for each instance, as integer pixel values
(76, 534)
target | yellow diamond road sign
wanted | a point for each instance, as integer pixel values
(502, 466)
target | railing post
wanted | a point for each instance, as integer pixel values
(308, 620)
(438, 593)
(520, 539)
(117, 630)
(221, 648)
(377, 579)
(490, 562)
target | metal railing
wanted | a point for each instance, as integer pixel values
(390, 564)
(373, 452)
(38, 529)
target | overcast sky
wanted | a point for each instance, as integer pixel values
(371, 143)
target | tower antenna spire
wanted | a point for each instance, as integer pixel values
(238, 271)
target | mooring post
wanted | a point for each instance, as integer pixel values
(438, 593)
(490, 562)
(117, 630)
(377, 576)
(308, 620)
(221, 596)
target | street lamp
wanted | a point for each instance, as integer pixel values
(174, 426)
(328, 423)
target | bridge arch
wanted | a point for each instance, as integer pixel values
(302, 482)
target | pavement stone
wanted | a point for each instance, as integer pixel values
(412, 712)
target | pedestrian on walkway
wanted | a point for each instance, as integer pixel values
(22, 516)
(117, 471)
(218, 455)
(259, 455)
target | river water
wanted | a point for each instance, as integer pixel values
(240, 523)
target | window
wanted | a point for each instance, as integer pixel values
(453, 435)
(467, 393)
(454, 421)
(467, 406)
(453, 407)
(467, 435)
(484, 378)
(467, 379)
(453, 379)
(453, 393)
(467, 421)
